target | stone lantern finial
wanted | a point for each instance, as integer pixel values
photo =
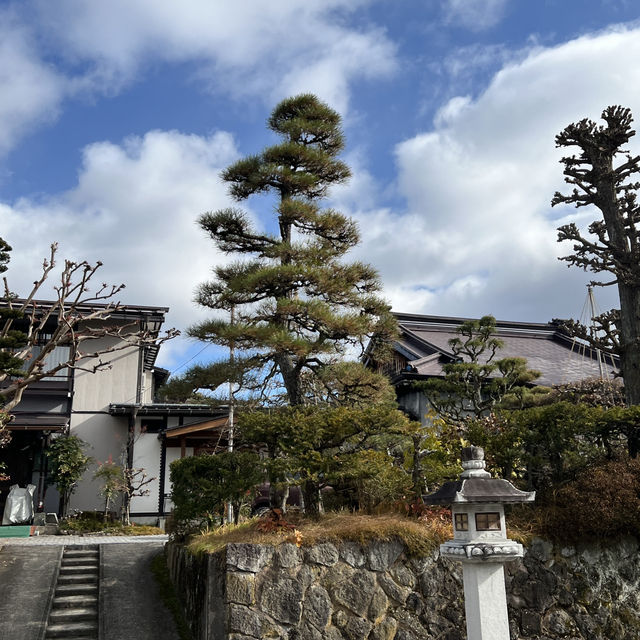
(473, 463)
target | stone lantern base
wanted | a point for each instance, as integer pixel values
(485, 601)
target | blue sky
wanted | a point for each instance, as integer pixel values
(117, 117)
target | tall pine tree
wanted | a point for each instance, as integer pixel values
(298, 307)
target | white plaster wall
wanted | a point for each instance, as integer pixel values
(173, 453)
(147, 387)
(105, 436)
(146, 455)
(95, 391)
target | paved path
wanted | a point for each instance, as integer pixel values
(56, 541)
(131, 606)
(26, 580)
(130, 599)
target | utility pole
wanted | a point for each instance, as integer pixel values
(232, 401)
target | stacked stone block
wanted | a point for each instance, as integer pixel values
(376, 592)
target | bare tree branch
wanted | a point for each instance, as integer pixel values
(78, 318)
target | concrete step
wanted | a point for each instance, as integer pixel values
(72, 630)
(79, 555)
(76, 589)
(72, 615)
(74, 607)
(79, 578)
(79, 561)
(81, 568)
(83, 601)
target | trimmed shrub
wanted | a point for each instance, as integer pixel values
(203, 484)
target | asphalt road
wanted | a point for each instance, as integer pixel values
(130, 601)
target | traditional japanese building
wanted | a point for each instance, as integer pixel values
(422, 349)
(107, 409)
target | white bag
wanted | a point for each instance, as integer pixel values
(19, 506)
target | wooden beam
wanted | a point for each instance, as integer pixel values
(200, 426)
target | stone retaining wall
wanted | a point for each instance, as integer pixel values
(349, 592)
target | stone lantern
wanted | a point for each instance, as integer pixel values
(480, 542)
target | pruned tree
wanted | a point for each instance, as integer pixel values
(110, 476)
(603, 177)
(478, 379)
(314, 446)
(298, 306)
(31, 329)
(135, 484)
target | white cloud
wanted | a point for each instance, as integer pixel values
(134, 208)
(31, 90)
(52, 50)
(244, 48)
(475, 15)
(479, 235)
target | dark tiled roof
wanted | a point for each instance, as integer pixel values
(167, 409)
(23, 420)
(478, 490)
(424, 341)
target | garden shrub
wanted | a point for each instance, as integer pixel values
(541, 447)
(203, 484)
(602, 502)
(369, 482)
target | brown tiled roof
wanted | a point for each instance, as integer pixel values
(424, 341)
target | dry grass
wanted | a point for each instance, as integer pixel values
(526, 522)
(420, 537)
(141, 530)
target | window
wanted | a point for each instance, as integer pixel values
(153, 424)
(462, 522)
(488, 521)
(58, 355)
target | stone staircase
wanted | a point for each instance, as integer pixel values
(74, 608)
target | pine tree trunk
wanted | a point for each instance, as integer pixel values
(278, 498)
(291, 378)
(312, 498)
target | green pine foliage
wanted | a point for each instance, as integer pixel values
(201, 485)
(299, 307)
(320, 447)
(5, 250)
(479, 379)
(12, 339)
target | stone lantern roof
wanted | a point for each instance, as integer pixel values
(477, 486)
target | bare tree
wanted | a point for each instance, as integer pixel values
(32, 329)
(602, 175)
